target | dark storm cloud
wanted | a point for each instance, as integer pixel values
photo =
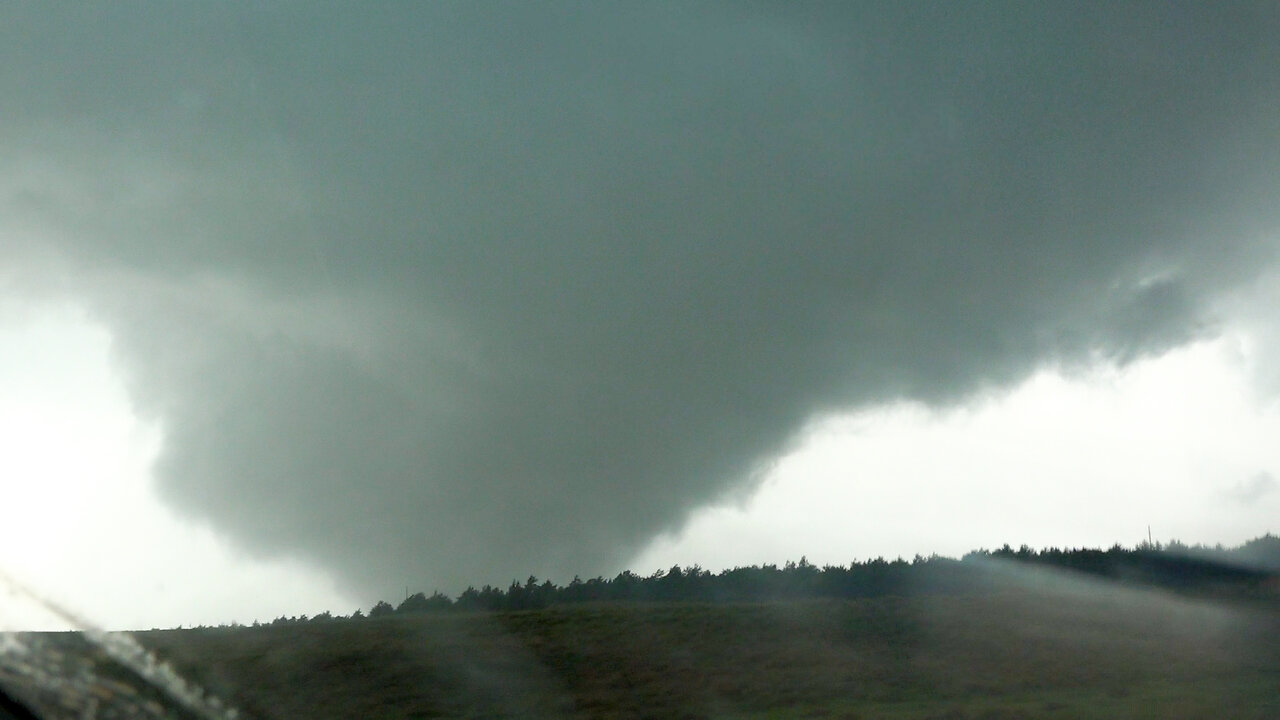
(450, 293)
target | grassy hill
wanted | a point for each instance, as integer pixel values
(1042, 648)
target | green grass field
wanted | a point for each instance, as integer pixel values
(1039, 651)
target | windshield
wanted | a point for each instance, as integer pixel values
(306, 308)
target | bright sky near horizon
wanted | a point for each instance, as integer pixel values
(303, 304)
(81, 524)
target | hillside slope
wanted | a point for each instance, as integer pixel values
(1069, 650)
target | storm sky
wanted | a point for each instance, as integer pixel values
(452, 293)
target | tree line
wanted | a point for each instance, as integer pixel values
(1252, 569)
